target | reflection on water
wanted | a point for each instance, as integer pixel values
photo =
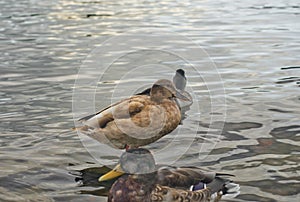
(255, 45)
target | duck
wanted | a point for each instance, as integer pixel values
(139, 179)
(138, 120)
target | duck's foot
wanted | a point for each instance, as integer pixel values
(127, 147)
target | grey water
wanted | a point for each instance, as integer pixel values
(255, 46)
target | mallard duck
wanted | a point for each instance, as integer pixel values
(138, 120)
(142, 181)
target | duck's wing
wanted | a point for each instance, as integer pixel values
(120, 110)
(165, 193)
(191, 184)
(145, 92)
(100, 118)
(83, 119)
(183, 177)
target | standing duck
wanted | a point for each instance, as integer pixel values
(138, 120)
(142, 181)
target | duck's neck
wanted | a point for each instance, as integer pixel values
(159, 98)
(156, 99)
(159, 94)
(147, 179)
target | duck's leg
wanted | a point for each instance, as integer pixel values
(129, 147)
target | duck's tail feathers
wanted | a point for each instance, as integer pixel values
(81, 128)
(225, 188)
(230, 190)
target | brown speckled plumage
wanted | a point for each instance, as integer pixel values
(138, 120)
(129, 188)
(168, 184)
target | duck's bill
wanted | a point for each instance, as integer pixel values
(116, 172)
(181, 96)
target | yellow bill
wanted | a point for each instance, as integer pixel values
(116, 172)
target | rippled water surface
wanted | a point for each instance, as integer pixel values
(255, 46)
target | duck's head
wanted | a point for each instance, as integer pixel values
(164, 89)
(133, 161)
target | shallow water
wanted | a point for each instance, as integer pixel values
(254, 44)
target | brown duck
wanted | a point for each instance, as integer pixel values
(144, 182)
(138, 120)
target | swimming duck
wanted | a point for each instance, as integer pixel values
(142, 181)
(138, 120)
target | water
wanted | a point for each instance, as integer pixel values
(254, 44)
